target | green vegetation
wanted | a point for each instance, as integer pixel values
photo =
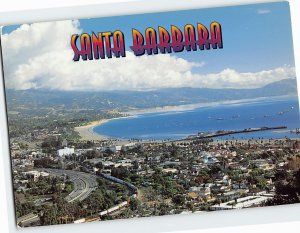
(287, 190)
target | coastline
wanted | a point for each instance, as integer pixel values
(190, 107)
(86, 131)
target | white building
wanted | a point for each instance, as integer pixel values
(112, 148)
(208, 158)
(170, 170)
(35, 175)
(66, 151)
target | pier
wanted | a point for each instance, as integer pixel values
(229, 132)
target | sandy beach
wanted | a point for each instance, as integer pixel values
(86, 131)
(189, 107)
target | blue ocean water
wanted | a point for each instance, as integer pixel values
(283, 111)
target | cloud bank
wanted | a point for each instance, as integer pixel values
(40, 56)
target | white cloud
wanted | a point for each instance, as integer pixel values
(230, 78)
(40, 56)
(263, 11)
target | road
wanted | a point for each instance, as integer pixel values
(84, 183)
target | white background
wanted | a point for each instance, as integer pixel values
(11, 8)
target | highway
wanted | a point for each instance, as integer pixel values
(84, 183)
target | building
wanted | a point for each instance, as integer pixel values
(129, 146)
(35, 175)
(170, 170)
(240, 203)
(66, 151)
(200, 191)
(112, 148)
(209, 159)
(64, 143)
(233, 194)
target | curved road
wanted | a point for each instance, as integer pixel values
(84, 183)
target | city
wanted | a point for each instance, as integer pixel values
(57, 181)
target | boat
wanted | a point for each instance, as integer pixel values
(235, 116)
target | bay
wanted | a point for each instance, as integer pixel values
(279, 111)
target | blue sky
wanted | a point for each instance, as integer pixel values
(255, 37)
(257, 50)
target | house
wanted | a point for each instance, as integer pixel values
(209, 159)
(200, 191)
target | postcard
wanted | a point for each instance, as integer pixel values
(179, 112)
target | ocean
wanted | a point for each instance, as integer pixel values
(268, 112)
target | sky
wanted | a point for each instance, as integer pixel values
(257, 50)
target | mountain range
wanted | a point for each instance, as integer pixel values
(123, 100)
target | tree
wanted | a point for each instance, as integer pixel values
(281, 175)
(190, 206)
(101, 183)
(99, 165)
(134, 203)
(96, 201)
(43, 186)
(25, 208)
(120, 172)
(179, 200)
(49, 215)
(163, 209)
(69, 187)
(286, 192)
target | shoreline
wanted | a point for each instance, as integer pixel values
(190, 107)
(86, 131)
